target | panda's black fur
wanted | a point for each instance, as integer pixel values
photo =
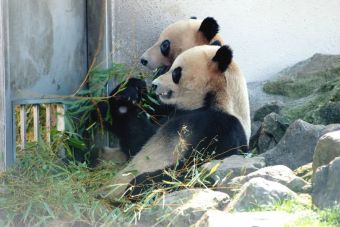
(127, 120)
(218, 136)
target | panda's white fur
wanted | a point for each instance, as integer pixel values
(201, 91)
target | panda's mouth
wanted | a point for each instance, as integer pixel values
(165, 95)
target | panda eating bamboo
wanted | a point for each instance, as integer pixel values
(201, 84)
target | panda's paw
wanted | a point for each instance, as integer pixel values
(112, 192)
(129, 92)
(112, 154)
(117, 189)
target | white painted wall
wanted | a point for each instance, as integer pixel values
(266, 35)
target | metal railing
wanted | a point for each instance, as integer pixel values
(37, 104)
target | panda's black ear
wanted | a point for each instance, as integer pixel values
(209, 28)
(223, 58)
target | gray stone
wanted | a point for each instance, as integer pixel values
(330, 128)
(255, 126)
(233, 166)
(268, 108)
(280, 174)
(259, 192)
(327, 149)
(330, 113)
(183, 208)
(270, 133)
(265, 142)
(275, 125)
(215, 218)
(296, 147)
(326, 185)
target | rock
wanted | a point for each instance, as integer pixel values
(275, 125)
(261, 142)
(255, 126)
(326, 181)
(330, 113)
(303, 78)
(215, 218)
(233, 166)
(259, 192)
(327, 149)
(265, 142)
(330, 128)
(296, 147)
(273, 107)
(280, 174)
(270, 133)
(305, 172)
(183, 208)
(312, 89)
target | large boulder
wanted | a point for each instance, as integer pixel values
(296, 147)
(233, 166)
(326, 185)
(280, 174)
(183, 208)
(312, 88)
(327, 149)
(215, 218)
(259, 192)
(305, 77)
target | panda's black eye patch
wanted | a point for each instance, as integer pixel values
(165, 47)
(176, 75)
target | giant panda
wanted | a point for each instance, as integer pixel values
(127, 121)
(185, 34)
(197, 84)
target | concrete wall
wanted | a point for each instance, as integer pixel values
(47, 46)
(266, 35)
(43, 51)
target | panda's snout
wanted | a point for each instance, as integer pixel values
(154, 84)
(144, 61)
(161, 91)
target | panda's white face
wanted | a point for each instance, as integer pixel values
(177, 38)
(192, 76)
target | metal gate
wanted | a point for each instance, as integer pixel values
(46, 50)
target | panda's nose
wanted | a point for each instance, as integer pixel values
(153, 87)
(144, 62)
